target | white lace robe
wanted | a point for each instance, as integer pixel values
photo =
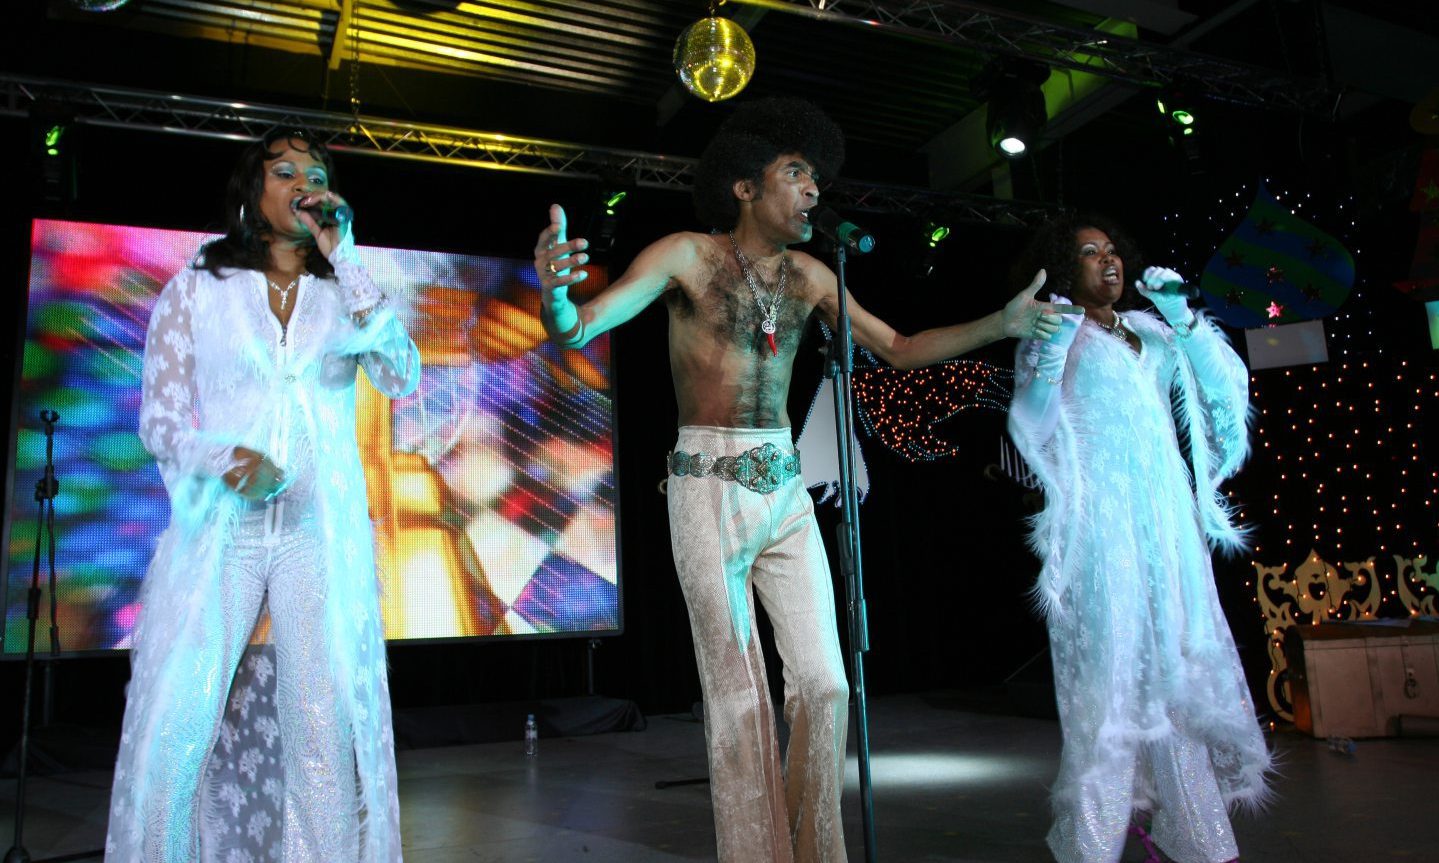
(1142, 651)
(219, 372)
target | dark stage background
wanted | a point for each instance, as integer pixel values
(946, 566)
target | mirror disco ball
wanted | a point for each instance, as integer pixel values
(98, 5)
(714, 58)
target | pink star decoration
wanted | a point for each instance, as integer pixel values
(1275, 310)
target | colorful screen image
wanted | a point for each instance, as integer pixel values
(492, 487)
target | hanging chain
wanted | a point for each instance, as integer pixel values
(354, 36)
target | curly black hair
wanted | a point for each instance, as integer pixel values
(1052, 249)
(753, 137)
(244, 246)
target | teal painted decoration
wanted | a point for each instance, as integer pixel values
(1276, 268)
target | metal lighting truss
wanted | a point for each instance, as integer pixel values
(213, 118)
(1134, 61)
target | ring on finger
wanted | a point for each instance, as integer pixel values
(553, 271)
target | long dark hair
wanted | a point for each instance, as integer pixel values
(1052, 248)
(244, 246)
(755, 135)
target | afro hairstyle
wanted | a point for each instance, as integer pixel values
(753, 137)
(1052, 249)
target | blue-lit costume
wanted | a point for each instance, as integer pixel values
(288, 755)
(1152, 700)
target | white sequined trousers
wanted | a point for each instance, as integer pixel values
(731, 543)
(283, 776)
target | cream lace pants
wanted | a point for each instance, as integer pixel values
(730, 543)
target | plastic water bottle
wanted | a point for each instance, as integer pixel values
(532, 736)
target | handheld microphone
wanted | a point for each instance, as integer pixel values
(829, 223)
(1189, 292)
(1176, 289)
(327, 213)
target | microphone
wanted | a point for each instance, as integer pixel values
(1176, 287)
(829, 223)
(1189, 292)
(326, 212)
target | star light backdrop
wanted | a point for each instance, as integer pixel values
(1342, 483)
(492, 487)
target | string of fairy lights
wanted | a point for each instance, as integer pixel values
(1342, 481)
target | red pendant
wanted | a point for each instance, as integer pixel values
(772, 348)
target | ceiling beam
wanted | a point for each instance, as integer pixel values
(193, 116)
(1130, 60)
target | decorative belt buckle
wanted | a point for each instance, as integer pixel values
(762, 469)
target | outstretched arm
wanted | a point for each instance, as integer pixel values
(573, 326)
(1024, 316)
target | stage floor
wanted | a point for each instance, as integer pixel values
(950, 784)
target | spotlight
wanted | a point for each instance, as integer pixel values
(1015, 115)
(1181, 124)
(98, 5)
(51, 141)
(605, 226)
(934, 234)
(53, 145)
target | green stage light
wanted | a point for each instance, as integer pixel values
(52, 140)
(614, 201)
(1182, 117)
(937, 233)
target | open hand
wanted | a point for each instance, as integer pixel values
(1026, 317)
(556, 258)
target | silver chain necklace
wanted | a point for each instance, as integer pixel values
(1116, 329)
(283, 292)
(771, 314)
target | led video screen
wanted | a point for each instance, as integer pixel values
(492, 487)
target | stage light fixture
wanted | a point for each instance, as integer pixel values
(1181, 124)
(1015, 115)
(605, 225)
(53, 147)
(52, 140)
(714, 58)
(98, 5)
(934, 234)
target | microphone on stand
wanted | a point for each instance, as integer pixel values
(829, 223)
(326, 212)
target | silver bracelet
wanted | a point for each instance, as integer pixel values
(362, 316)
(1185, 330)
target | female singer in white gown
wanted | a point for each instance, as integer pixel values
(249, 408)
(1153, 703)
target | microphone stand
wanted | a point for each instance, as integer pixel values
(45, 491)
(840, 369)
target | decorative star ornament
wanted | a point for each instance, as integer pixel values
(1266, 227)
(1317, 248)
(1311, 293)
(1234, 297)
(1234, 259)
(1274, 310)
(1274, 274)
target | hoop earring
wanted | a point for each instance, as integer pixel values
(242, 214)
